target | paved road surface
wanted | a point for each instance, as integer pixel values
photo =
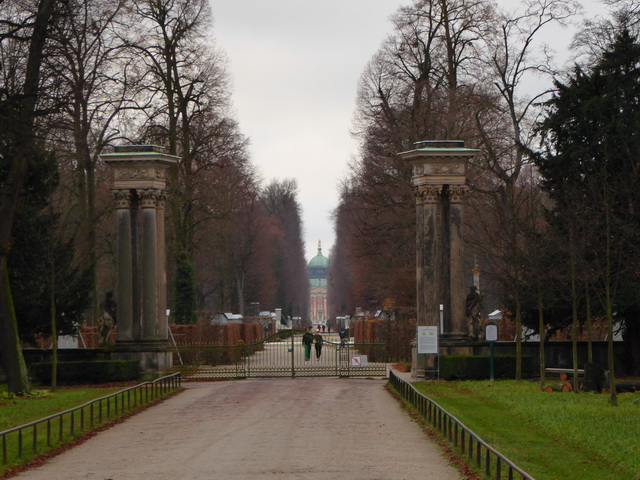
(303, 428)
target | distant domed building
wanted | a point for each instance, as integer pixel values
(317, 269)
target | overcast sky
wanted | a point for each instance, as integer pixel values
(294, 66)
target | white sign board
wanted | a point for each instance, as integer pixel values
(360, 361)
(428, 340)
(491, 332)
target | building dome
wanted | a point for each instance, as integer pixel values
(317, 269)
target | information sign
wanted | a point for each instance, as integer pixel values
(428, 340)
(491, 332)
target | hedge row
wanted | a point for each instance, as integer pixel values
(477, 367)
(229, 334)
(99, 371)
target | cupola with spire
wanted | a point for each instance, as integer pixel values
(317, 269)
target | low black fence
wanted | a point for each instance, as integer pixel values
(56, 429)
(464, 440)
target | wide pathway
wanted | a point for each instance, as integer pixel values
(302, 428)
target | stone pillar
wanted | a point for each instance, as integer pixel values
(124, 264)
(439, 177)
(150, 313)
(163, 329)
(457, 321)
(140, 191)
(429, 267)
(135, 247)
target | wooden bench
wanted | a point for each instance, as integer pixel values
(563, 372)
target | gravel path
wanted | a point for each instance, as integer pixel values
(303, 428)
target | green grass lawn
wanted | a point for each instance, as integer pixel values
(15, 411)
(20, 410)
(552, 436)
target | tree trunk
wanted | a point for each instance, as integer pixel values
(543, 335)
(13, 360)
(574, 315)
(518, 338)
(589, 329)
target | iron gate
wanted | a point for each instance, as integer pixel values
(281, 355)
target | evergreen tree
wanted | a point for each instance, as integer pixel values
(590, 169)
(36, 252)
(185, 293)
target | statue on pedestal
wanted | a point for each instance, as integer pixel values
(107, 321)
(474, 305)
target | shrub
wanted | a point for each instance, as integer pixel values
(100, 371)
(477, 367)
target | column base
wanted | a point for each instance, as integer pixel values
(153, 355)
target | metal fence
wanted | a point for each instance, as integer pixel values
(57, 429)
(464, 440)
(281, 355)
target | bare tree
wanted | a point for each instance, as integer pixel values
(86, 58)
(185, 88)
(504, 121)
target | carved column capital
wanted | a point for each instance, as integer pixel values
(428, 193)
(457, 193)
(122, 198)
(151, 197)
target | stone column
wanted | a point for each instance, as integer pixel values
(439, 176)
(150, 314)
(140, 187)
(457, 321)
(124, 265)
(429, 265)
(163, 332)
(136, 310)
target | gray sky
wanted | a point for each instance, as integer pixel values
(295, 66)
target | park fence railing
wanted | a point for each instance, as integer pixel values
(55, 430)
(456, 433)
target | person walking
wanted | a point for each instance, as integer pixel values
(307, 341)
(318, 346)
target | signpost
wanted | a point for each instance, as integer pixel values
(491, 336)
(428, 340)
(428, 344)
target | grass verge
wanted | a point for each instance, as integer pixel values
(16, 411)
(550, 435)
(40, 403)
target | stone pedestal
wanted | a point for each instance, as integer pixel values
(140, 192)
(439, 177)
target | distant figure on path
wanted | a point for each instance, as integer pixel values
(318, 346)
(307, 341)
(343, 335)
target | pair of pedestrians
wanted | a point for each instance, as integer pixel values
(309, 339)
